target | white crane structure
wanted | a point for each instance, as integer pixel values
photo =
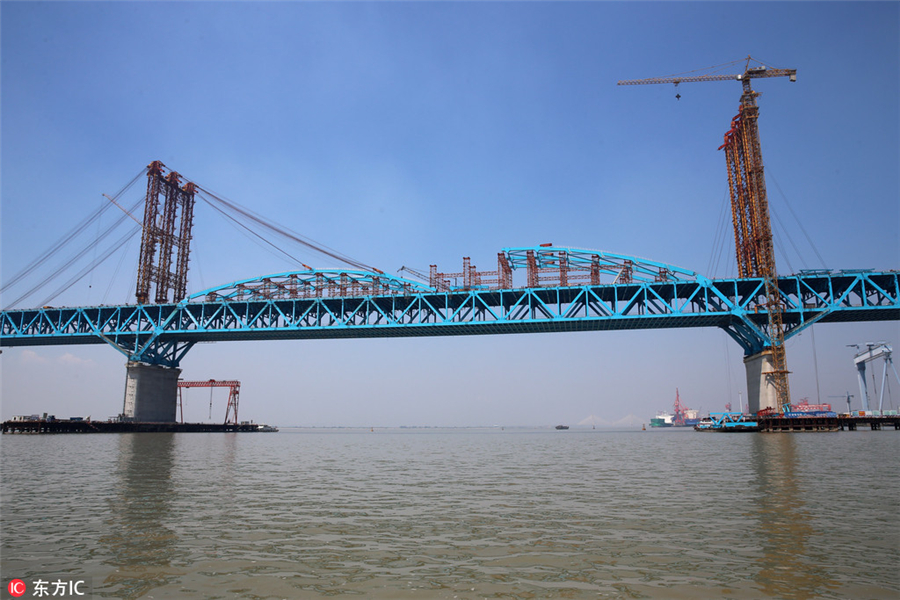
(873, 351)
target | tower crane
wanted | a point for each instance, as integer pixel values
(749, 205)
(750, 72)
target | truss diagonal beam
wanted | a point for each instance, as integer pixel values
(163, 333)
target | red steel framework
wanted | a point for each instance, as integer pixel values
(750, 207)
(679, 411)
(233, 395)
(166, 236)
(470, 278)
(558, 271)
(754, 247)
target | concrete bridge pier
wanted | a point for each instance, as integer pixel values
(760, 389)
(151, 393)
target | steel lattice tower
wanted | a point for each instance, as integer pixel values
(752, 226)
(749, 204)
(166, 233)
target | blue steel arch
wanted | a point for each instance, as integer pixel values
(163, 333)
(622, 267)
(312, 283)
(547, 262)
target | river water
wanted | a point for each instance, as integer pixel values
(457, 513)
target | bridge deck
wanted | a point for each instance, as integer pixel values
(153, 333)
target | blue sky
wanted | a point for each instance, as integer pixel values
(418, 133)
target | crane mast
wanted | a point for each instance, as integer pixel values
(754, 247)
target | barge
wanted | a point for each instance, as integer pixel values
(87, 426)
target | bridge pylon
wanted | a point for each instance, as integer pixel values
(761, 389)
(166, 237)
(151, 393)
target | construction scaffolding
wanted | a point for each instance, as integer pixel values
(754, 248)
(750, 208)
(166, 237)
(470, 278)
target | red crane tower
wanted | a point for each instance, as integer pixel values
(233, 393)
(679, 411)
(749, 205)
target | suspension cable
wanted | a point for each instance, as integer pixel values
(68, 237)
(720, 238)
(787, 203)
(93, 265)
(238, 215)
(76, 257)
(222, 212)
(286, 233)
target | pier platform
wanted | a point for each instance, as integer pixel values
(820, 423)
(65, 426)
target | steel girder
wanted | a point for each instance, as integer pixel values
(162, 334)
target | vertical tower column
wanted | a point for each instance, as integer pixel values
(151, 393)
(753, 229)
(166, 237)
(761, 389)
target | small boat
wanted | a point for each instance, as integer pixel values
(562, 426)
(704, 424)
(266, 428)
(727, 421)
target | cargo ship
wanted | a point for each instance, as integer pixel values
(682, 417)
(662, 419)
(691, 418)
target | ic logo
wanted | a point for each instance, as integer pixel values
(16, 588)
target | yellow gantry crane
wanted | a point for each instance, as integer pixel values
(749, 205)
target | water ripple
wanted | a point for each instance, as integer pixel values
(456, 514)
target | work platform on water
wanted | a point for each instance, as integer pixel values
(777, 423)
(83, 426)
(839, 423)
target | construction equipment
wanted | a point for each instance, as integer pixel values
(166, 231)
(754, 72)
(873, 351)
(749, 205)
(679, 411)
(234, 390)
(414, 272)
(846, 397)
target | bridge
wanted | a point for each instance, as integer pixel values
(317, 304)
(567, 290)
(563, 289)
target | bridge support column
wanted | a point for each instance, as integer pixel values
(760, 389)
(151, 393)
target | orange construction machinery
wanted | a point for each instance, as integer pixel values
(749, 204)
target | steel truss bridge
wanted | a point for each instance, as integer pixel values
(315, 304)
